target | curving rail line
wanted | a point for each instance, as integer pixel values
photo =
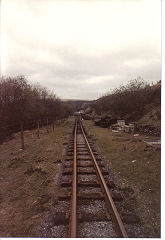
(119, 227)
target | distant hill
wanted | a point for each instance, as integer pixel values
(78, 103)
(75, 100)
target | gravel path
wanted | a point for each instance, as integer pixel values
(93, 221)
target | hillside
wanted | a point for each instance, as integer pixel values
(135, 102)
(78, 103)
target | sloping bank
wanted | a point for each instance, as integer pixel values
(137, 166)
(27, 179)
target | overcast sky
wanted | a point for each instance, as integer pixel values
(83, 48)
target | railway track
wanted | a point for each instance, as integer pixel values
(89, 184)
(86, 202)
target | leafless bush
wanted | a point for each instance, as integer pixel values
(23, 102)
(129, 101)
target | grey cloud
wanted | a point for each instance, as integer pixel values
(74, 72)
(73, 77)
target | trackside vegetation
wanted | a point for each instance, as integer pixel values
(27, 105)
(132, 101)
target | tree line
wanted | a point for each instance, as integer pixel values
(130, 101)
(28, 105)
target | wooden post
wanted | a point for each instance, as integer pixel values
(47, 125)
(53, 126)
(38, 129)
(32, 135)
(42, 124)
(22, 137)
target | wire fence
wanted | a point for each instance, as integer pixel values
(39, 128)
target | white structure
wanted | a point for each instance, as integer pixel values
(129, 128)
(121, 123)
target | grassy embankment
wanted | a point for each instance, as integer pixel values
(138, 166)
(27, 179)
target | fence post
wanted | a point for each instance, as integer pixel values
(22, 137)
(47, 125)
(53, 126)
(38, 129)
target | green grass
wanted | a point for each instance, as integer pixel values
(27, 183)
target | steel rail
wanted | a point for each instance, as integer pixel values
(120, 229)
(73, 217)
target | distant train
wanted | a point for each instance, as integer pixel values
(79, 113)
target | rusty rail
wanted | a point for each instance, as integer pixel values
(119, 227)
(73, 217)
